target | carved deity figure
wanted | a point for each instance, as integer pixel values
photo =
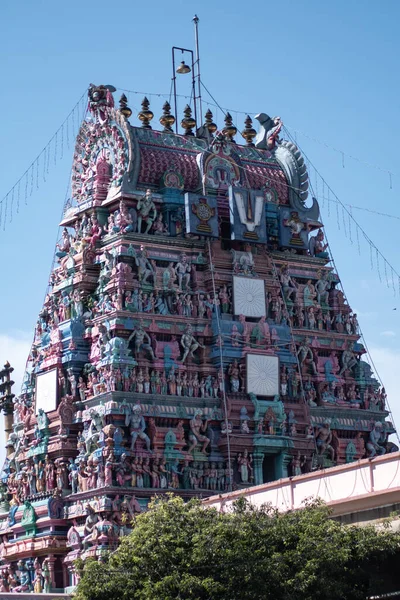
(182, 272)
(90, 527)
(92, 434)
(233, 373)
(135, 420)
(50, 472)
(123, 221)
(38, 579)
(244, 465)
(308, 294)
(296, 226)
(349, 360)
(296, 465)
(376, 440)
(189, 343)
(305, 355)
(269, 421)
(147, 212)
(24, 579)
(324, 441)
(64, 246)
(261, 333)
(159, 228)
(317, 247)
(198, 428)
(289, 286)
(322, 288)
(145, 268)
(142, 341)
(46, 576)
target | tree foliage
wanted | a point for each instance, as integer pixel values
(184, 551)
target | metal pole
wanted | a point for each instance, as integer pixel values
(196, 37)
(174, 80)
(194, 90)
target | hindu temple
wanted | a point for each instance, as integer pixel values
(195, 338)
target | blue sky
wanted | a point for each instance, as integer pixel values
(328, 69)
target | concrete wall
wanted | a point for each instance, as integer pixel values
(4, 596)
(356, 487)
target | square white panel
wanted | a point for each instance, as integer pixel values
(249, 297)
(262, 375)
(46, 391)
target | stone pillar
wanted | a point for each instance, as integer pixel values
(66, 582)
(51, 562)
(281, 464)
(258, 459)
(6, 400)
(8, 427)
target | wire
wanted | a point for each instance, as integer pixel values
(46, 151)
(352, 206)
(342, 153)
(221, 367)
(296, 132)
(292, 337)
(65, 202)
(224, 111)
(345, 296)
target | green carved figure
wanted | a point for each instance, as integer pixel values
(46, 577)
(29, 519)
(351, 452)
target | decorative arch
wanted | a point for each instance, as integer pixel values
(103, 157)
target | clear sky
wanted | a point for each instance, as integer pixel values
(330, 70)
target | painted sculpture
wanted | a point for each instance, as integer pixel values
(195, 343)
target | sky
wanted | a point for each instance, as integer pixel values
(329, 70)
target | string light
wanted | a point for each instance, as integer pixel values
(26, 187)
(55, 148)
(344, 154)
(62, 143)
(18, 194)
(32, 172)
(358, 242)
(344, 223)
(12, 205)
(379, 255)
(377, 264)
(5, 213)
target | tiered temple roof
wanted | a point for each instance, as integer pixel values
(194, 339)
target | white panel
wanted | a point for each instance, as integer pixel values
(249, 297)
(262, 375)
(46, 391)
(386, 474)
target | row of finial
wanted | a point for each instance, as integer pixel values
(188, 123)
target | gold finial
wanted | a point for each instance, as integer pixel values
(145, 114)
(166, 119)
(229, 130)
(188, 122)
(248, 132)
(123, 107)
(209, 124)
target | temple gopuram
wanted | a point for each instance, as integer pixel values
(194, 339)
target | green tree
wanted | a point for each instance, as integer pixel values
(183, 551)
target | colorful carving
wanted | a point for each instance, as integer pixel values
(201, 215)
(150, 332)
(247, 215)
